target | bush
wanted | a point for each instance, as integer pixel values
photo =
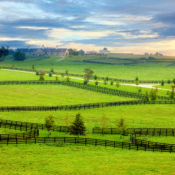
(162, 83)
(49, 123)
(77, 127)
(19, 56)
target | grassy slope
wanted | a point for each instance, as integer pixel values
(135, 116)
(33, 95)
(80, 160)
(149, 71)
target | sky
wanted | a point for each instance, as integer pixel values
(123, 26)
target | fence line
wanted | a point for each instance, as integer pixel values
(136, 131)
(27, 126)
(89, 141)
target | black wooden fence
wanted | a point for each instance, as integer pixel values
(135, 145)
(136, 131)
(27, 126)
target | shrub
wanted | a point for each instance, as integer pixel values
(162, 83)
(49, 123)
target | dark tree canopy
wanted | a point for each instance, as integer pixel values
(77, 127)
(3, 53)
(19, 56)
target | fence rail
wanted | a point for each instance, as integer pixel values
(27, 126)
(89, 141)
(136, 131)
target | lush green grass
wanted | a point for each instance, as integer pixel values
(156, 116)
(8, 131)
(161, 139)
(33, 95)
(145, 71)
(81, 160)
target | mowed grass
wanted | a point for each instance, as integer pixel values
(145, 71)
(82, 160)
(33, 95)
(139, 116)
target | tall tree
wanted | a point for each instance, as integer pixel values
(88, 74)
(78, 127)
(49, 123)
(3, 53)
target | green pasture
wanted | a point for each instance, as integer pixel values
(70, 159)
(51, 95)
(139, 116)
(80, 160)
(144, 70)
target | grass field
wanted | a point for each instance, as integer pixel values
(48, 95)
(145, 71)
(80, 160)
(69, 159)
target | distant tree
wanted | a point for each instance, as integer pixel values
(104, 122)
(139, 90)
(50, 74)
(162, 82)
(33, 67)
(81, 52)
(153, 94)
(112, 83)
(41, 75)
(174, 80)
(49, 123)
(73, 52)
(3, 53)
(169, 81)
(122, 126)
(88, 74)
(117, 84)
(96, 83)
(19, 56)
(137, 80)
(95, 77)
(172, 93)
(78, 127)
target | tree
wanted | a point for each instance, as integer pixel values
(78, 127)
(41, 75)
(96, 83)
(88, 74)
(137, 81)
(104, 122)
(162, 82)
(19, 56)
(50, 74)
(33, 67)
(112, 83)
(122, 126)
(95, 77)
(81, 52)
(153, 94)
(117, 84)
(174, 80)
(3, 53)
(49, 123)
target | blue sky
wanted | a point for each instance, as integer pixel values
(127, 26)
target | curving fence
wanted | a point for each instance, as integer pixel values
(82, 86)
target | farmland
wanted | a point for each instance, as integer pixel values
(65, 158)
